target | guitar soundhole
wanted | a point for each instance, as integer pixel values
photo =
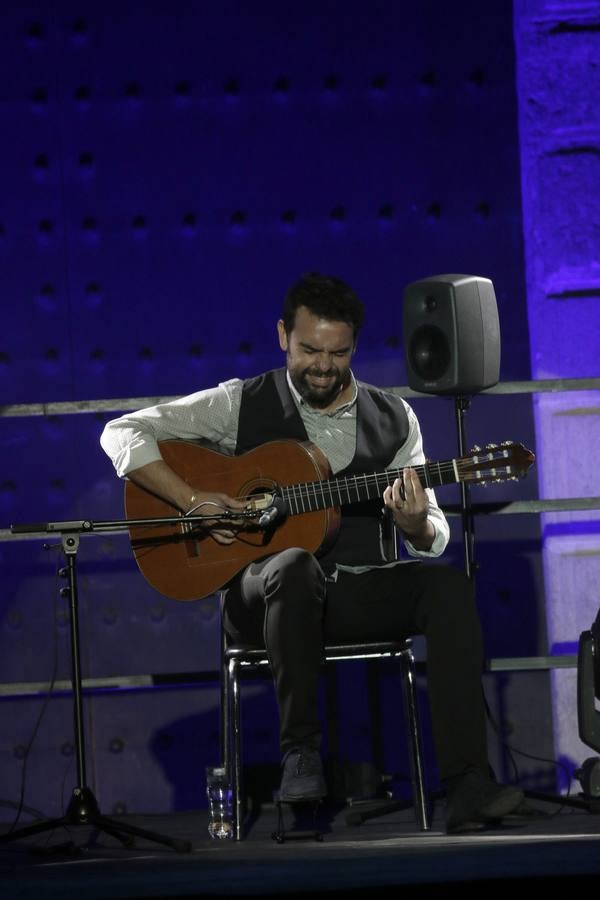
(257, 486)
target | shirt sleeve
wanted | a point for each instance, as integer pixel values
(411, 454)
(209, 416)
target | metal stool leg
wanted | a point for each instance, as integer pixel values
(414, 735)
(235, 742)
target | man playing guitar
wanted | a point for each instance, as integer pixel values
(294, 597)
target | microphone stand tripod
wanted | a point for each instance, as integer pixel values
(83, 808)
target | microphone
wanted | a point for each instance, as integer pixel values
(277, 510)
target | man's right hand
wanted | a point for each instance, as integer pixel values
(158, 478)
(204, 503)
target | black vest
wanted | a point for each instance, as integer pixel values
(268, 413)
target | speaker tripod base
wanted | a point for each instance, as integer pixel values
(83, 809)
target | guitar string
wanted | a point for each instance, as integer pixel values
(354, 484)
(309, 491)
(348, 487)
(431, 471)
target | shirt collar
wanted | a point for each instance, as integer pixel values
(302, 403)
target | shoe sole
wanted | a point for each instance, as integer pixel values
(502, 805)
(496, 809)
(315, 791)
(304, 799)
(465, 827)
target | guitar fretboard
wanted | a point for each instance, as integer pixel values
(315, 495)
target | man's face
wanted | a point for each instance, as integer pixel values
(319, 352)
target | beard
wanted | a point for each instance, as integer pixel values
(318, 395)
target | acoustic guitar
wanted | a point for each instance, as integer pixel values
(292, 500)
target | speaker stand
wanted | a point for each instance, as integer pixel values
(461, 405)
(83, 807)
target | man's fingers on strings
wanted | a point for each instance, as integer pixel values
(402, 489)
(411, 482)
(392, 495)
(237, 503)
(399, 491)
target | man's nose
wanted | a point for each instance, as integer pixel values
(324, 360)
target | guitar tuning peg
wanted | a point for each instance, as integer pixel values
(491, 446)
(475, 448)
(506, 443)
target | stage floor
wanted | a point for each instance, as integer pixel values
(548, 846)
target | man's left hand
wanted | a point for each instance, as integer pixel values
(409, 504)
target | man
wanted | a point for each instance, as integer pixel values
(295, 601)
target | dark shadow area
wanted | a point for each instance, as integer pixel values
(509, 595)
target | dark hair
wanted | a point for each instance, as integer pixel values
(326, 297)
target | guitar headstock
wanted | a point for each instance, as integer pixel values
(507, 461)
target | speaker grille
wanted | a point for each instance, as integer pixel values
(429, 353)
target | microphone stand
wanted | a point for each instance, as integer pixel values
(83, 808)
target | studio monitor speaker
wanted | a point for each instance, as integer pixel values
(451, 334)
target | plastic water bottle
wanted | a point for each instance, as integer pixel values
(220, 803)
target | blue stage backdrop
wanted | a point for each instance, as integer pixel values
(167, 170)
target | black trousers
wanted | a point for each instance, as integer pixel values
(288, 605)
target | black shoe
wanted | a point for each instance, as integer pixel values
(302, 777)
(474, 801)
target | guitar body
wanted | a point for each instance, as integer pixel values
(184, 562)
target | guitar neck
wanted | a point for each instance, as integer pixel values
(315, 495)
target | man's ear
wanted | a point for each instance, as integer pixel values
(283, 341)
